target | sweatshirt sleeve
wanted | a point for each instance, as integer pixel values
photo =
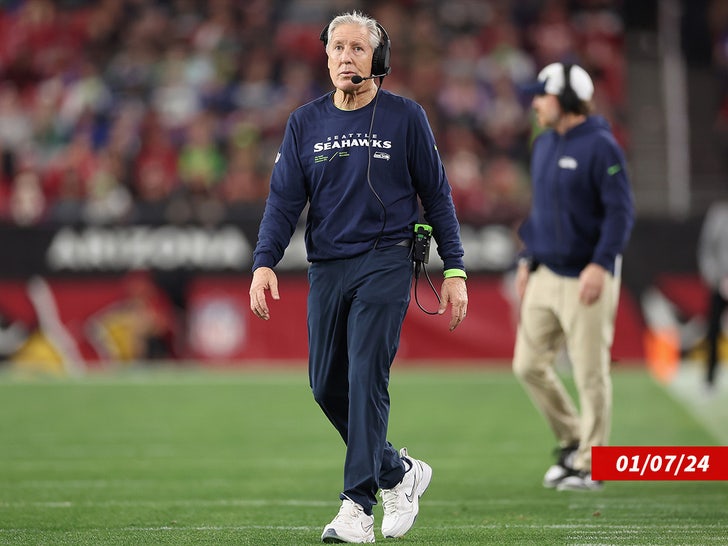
(286, 200)
(433, 188)
(616, 196)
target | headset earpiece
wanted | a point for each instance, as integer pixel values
(568, 99)
(380, 58)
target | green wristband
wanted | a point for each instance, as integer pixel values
(455, 273)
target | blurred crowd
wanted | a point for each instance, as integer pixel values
(119, 111)
(718, 29)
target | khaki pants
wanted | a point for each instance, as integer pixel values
(551, 316)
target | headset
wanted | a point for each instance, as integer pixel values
(568, 99)
(380, 57)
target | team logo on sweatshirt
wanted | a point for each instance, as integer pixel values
(614, 169)
(351, 140)
(567, 162)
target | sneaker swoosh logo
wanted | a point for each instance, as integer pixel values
(367, 528)
(411, 495)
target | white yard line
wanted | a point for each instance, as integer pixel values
(632, 528)
(116, 503)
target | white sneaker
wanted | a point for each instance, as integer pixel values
(351, 524)
(563, 467)
(401, 503)
(581, 481)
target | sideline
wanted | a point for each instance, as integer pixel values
(708, 407)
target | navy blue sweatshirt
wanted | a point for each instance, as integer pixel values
(582, 210)
(361, 188)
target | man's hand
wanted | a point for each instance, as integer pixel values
(591, 283)
(264, 278)
(455, 292)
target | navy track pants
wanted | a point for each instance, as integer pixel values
(356, 307)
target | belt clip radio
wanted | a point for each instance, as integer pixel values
(421, 249)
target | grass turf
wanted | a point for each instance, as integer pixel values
(210, 457)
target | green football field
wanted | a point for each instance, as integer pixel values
(188, 456)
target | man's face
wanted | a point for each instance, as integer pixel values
(349, 53)
(547, 110)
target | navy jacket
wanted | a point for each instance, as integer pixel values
(582, 209)
(361, 189)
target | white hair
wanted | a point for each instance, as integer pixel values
(357, 18)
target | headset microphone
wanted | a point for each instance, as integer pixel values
(358, 79)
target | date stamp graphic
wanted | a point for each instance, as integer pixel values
(659, 463)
